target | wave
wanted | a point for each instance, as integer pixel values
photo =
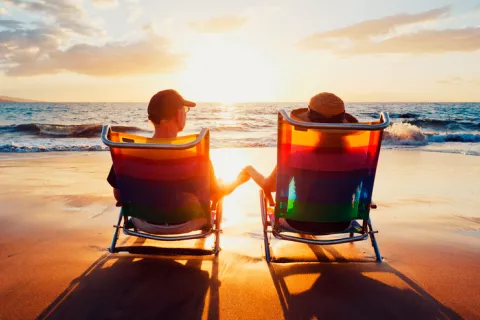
(12, 147)
(404, 134)
(374, 115)
(63, 131)
(450, 124)
(408, 134)
(238, 128)
(398, 134)
(406, 115)
(18, 148)
(228, 128)
(454, 137)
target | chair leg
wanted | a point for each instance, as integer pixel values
(268, 258)
(351, 234)
(115, 234)
(218, 224)
(374, 241)
(263, 209)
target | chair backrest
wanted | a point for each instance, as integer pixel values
(326, 171)
(162, 180)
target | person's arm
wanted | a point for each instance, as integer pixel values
(227, 188)
(269, 183)
(112, 180)
(221, 189)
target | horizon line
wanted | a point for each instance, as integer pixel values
(238, 102)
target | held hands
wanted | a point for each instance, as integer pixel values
(243, 176)
(256, 176)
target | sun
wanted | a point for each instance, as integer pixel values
(227, 74)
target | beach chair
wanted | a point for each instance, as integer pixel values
(164, 185)
(325, 177)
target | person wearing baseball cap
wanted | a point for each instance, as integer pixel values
(167, 112)
(324, 107)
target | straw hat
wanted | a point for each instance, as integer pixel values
(324, 107)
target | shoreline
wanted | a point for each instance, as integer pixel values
(34, 154)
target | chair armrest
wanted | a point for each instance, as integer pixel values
(373, 205)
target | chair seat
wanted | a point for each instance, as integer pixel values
(180, 228)
(319, 228)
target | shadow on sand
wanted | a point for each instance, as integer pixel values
(340, 289)
(137, 286)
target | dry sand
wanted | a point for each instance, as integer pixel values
(56, 222)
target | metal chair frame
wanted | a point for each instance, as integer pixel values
(272, 227)
(214, 226)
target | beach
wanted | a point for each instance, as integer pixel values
(56, 225)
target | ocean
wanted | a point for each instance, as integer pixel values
(50, 127)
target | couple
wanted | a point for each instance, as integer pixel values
(167, 111)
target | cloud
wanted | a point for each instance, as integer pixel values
(218, 24)
(37, 48)
(37, 51)
(10, 24)
(19, 43)
(3, 11)
(135, 13)
(425, 41)
(450, 80)
(363, 37)
(105, 3)
(67, 14)
(376, 27)
(459, 81)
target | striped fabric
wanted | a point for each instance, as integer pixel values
(160, 185)
(325, 175)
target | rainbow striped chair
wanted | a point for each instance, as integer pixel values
(164, 186)
(325, 176)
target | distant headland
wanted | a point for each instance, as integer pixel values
(14, 99)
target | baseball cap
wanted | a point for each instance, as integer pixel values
(165, 103)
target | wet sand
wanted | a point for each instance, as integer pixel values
(56, 222)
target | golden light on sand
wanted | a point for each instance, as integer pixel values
(228, 163)
(298, 283)
(226, 73)
(109, 263)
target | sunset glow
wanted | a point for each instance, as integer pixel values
(228, 74)
(125, 50)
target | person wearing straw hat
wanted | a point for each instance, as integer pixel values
(324, 107)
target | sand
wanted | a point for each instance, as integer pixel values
(56, 222)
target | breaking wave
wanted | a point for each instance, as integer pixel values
(63, 131)
(409, 134)
(77, 127)
(446, 124)
(12, 147)
(406, 115)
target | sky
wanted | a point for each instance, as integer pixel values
(236, 51)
